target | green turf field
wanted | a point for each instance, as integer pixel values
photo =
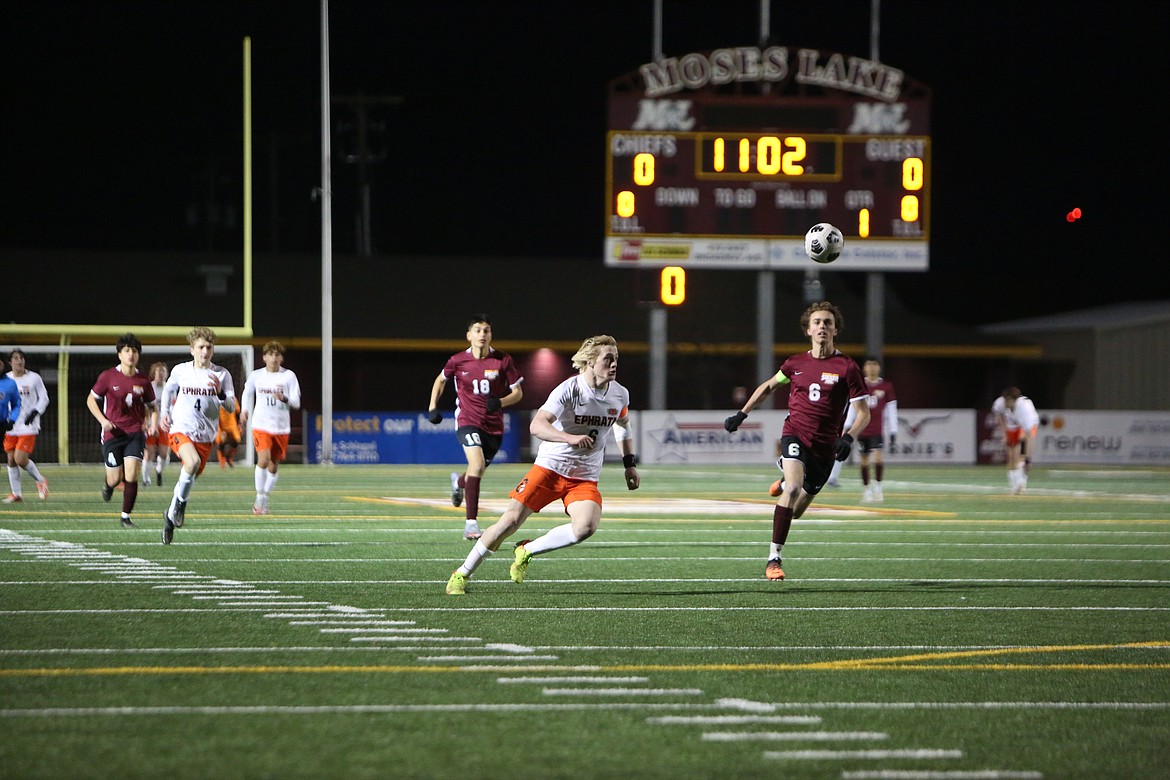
(953, 631)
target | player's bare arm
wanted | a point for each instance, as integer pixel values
(625, 440)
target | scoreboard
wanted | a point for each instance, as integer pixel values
(724, 160)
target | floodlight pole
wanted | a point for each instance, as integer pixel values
(326, 251)
(875, 281)
(765, 279)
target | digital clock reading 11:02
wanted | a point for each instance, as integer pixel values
(733, 179)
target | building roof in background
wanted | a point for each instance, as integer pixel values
(1132, 313)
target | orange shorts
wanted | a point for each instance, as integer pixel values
(1012, 436)
(161, 436)
(540, 487)
(177, 440)
(22, 443)
(275, 443)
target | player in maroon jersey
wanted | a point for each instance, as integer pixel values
(823, 382)
(486, 381)
(127, 412)
(883, 421)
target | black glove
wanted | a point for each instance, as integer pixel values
(8, 424)
(893, 440)
(733, 422)
(492, 403)
(28, 420)
(842, 447)
(436, 417)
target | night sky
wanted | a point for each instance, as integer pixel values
(122, 129)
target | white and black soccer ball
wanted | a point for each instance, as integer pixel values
(823, 243)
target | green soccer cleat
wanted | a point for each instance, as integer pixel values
(457, 585)
(519, 566)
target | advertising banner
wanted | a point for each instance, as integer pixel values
(924, 436)
(933, 436)
(399, 437)
(699, 437)
(1101, 438)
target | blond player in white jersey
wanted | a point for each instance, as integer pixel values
(21, 440)
(573, 425)
(191, 401)
(1018, 422)
(269, 394)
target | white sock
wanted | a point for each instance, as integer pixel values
(259, 478)
(474, 558)
(34, 472)
(270, 482)
(183, 485)
(774, 550)
(14, 480)
(555, 539)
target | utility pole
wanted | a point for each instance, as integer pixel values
(363, 156)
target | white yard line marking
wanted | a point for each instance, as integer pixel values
(876, 755)
(468, 659)
(958, 774)
(734, 720)
(376, 631)
(585, 680)
(227, 594)
(622, 691)
(793, 736)
(357, 622)
(415, 639)
(361, 708)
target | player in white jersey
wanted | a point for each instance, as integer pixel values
(191, 402)
(573, 425)
(1018, 422)
(269, 394)
(21, 440)
(158, 452)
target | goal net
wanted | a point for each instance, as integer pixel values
(69, 433)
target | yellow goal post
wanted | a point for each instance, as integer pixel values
(69, 433)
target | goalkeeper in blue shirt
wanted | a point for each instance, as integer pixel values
(9, 401)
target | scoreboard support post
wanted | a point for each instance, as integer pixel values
(765, 324)
(658, 347)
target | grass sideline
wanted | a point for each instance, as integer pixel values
(953, 631)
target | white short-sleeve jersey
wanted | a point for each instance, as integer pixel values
(191, 398)
(579, 408)
(259, 400)
(1023, 416)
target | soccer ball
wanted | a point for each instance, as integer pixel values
(823, 243)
